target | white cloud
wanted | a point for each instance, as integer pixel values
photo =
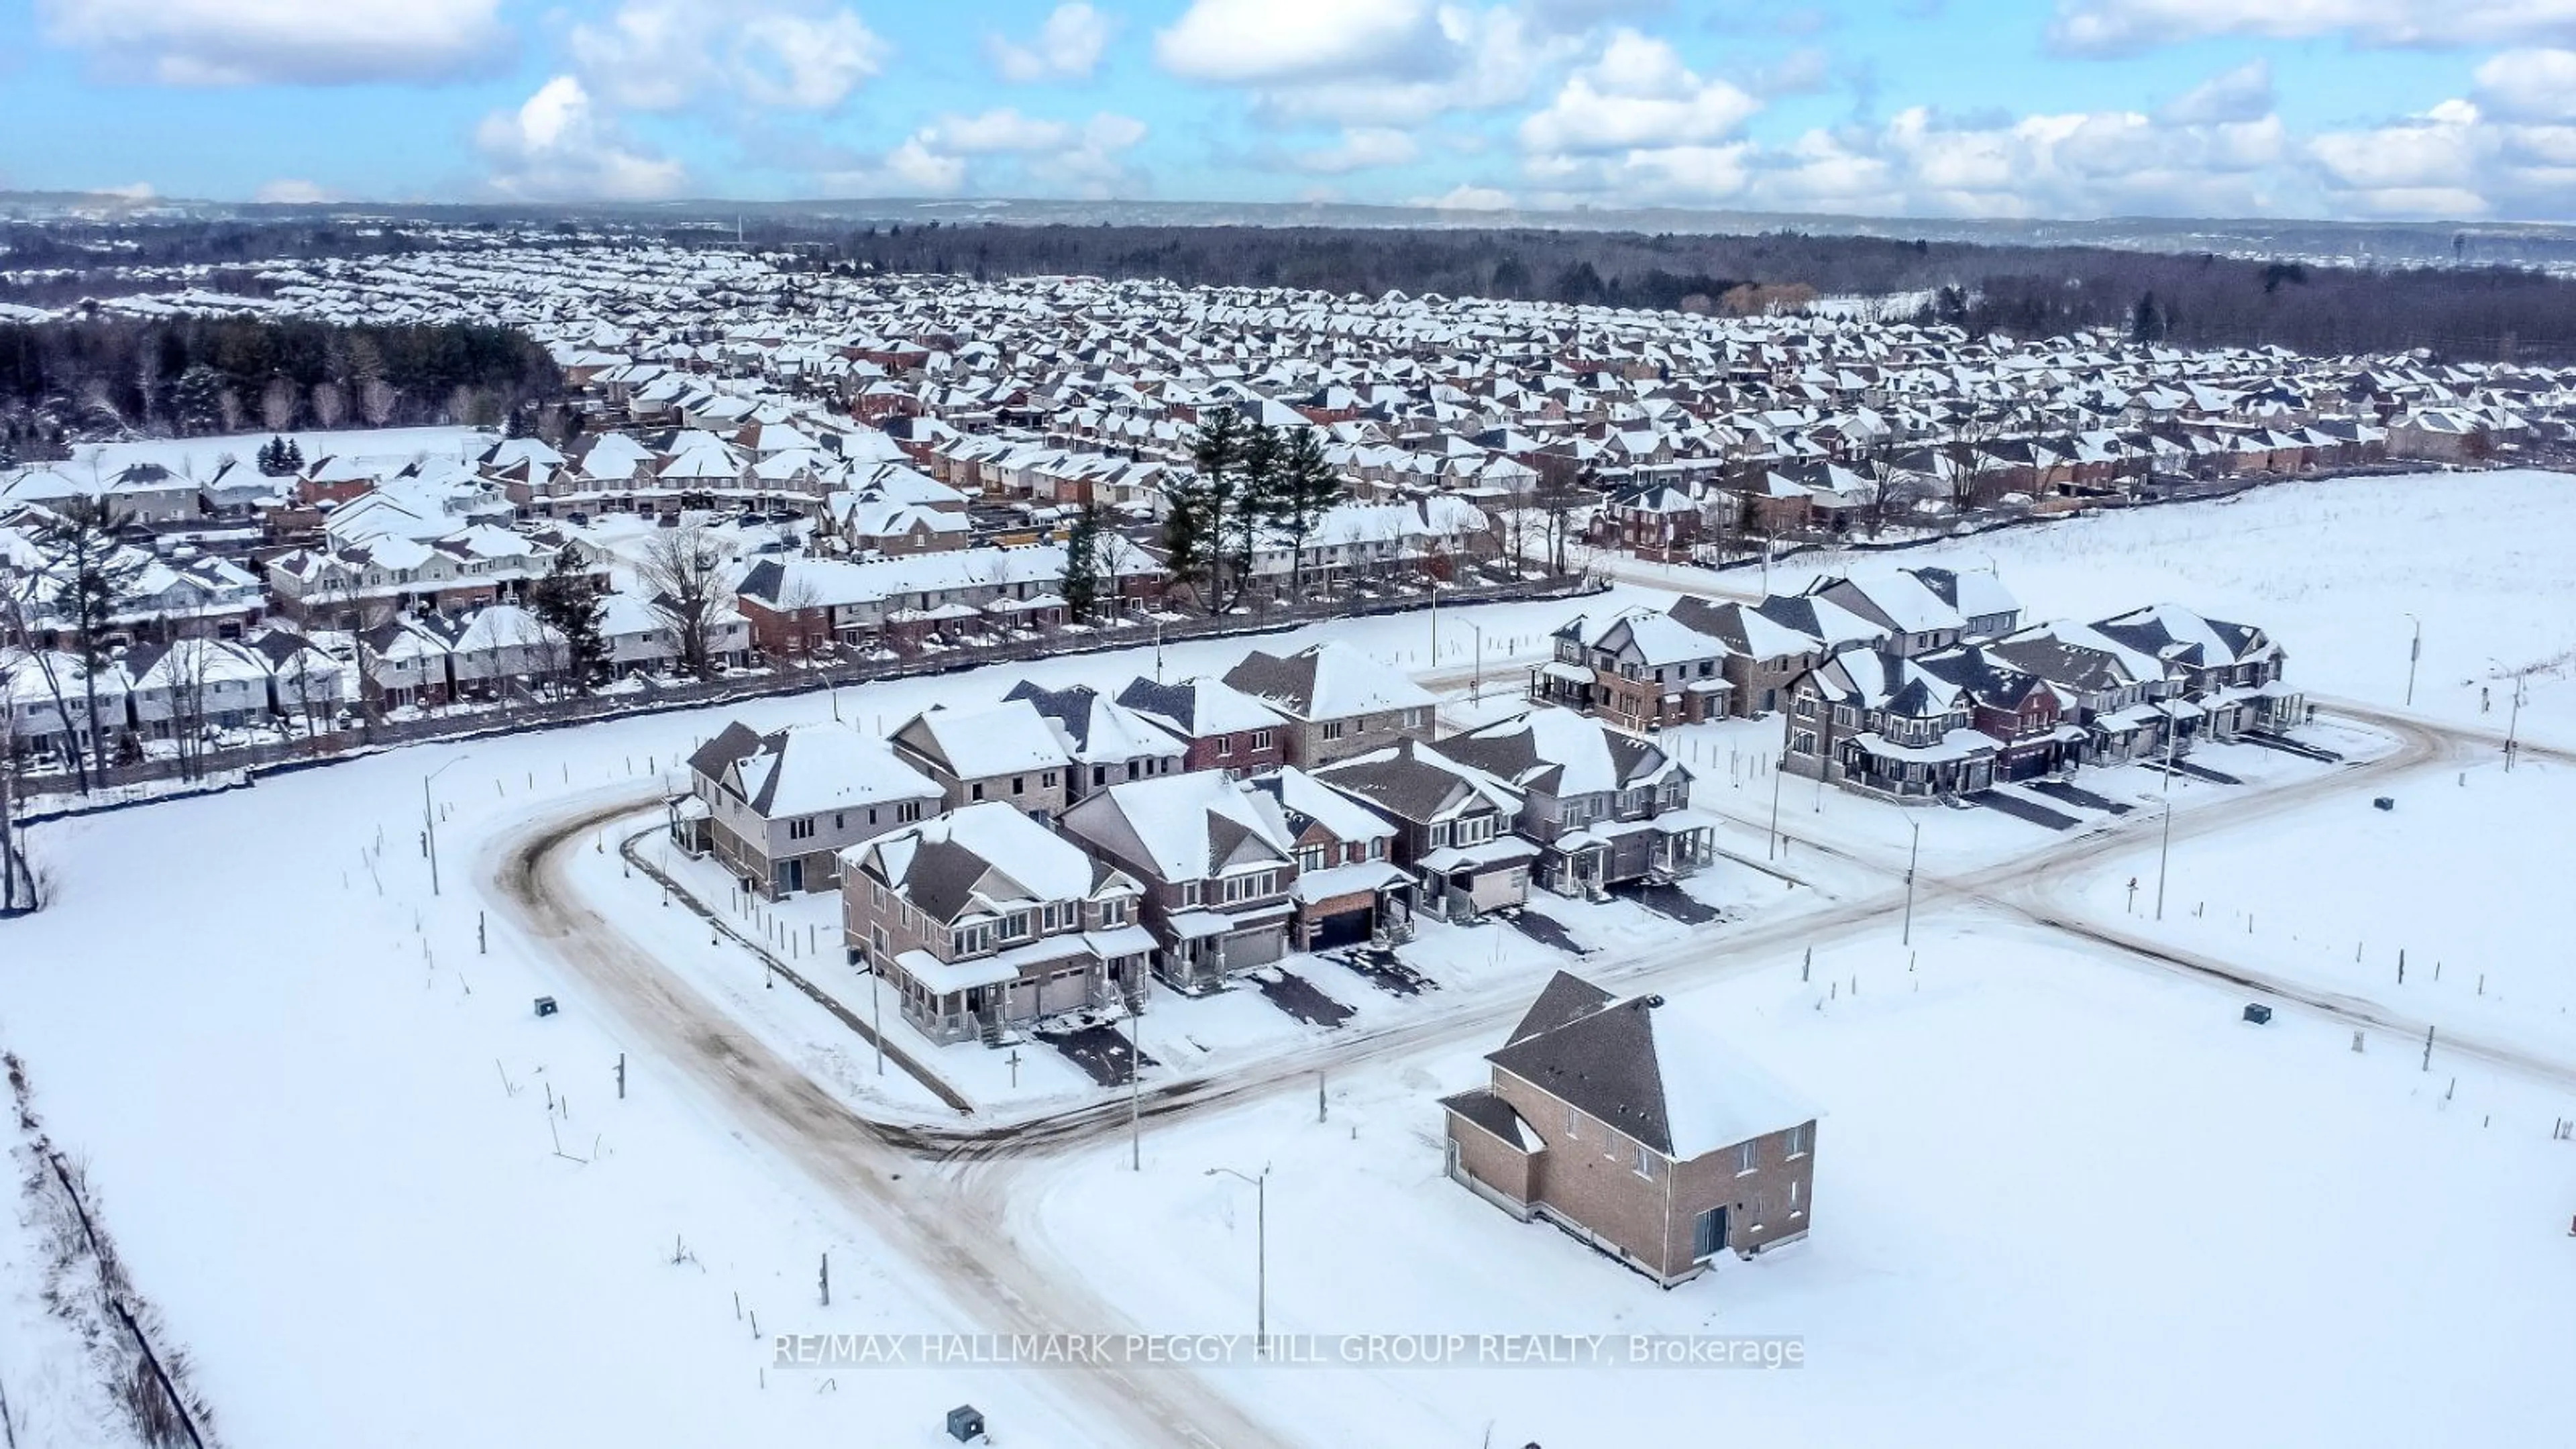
(2452, 161)
(295, 42)
(1478, 60)
(557, 146)
(2122, 27)
(661, 55)
(1265, 42)
(2242, 94)
(1068, 46)
(949, 155)
(1361, 148)
(289, 192)
(2530, 85)
(1638, 94)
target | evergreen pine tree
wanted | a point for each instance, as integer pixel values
(1082, 564)
(1304, 489)
(568, 601)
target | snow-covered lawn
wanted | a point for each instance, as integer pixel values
(200, 457)
(2467, 877)
(2057, 1201)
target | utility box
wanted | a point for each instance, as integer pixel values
(545, 1006)
(2259, 1014)
(965, 1423)
(2385, 802)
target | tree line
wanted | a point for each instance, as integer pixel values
(65, 381)
(2468, 313)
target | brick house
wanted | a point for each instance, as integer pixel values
(1339, 702)
(1349, 889)
(1606, 808)
(1220, 727)
(1763, 655)
(1217, 865)
(983, 920)
(1641, 669)
(1453, 826)
(1619, 1124)
(779, 808)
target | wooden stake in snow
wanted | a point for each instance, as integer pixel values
(2428, 1050)
(621, 1076)
(827, 1280)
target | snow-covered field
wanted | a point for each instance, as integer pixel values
(2057, 1202)
(2063, 1196)
(200, 457)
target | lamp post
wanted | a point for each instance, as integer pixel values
(2414, 652)
(429, 819)
(1913, 856)
(1476, 687)
(2164, 854)
(1260, 1251)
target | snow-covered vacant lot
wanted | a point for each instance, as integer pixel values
(2063, 1194)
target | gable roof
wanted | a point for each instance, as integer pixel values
(1632, 1065)
(1331, 680)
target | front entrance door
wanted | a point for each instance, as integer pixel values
(1708, 1234)
(791, 877)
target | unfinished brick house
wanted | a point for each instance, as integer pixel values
(1635, 1133)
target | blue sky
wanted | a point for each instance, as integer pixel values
(2346, 108)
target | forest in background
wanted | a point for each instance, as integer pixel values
(61, 381)
(2204, 300)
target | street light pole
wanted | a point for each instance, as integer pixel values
(1476, 689)
(2414, 652)
(2513, 724)
(2164, 854)
(1261, 1253)
(429, 820)
(1912, 858)
(1776, 772)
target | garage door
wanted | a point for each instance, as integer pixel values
(1248, 949)
(1345, 928)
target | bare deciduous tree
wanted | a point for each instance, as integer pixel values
(686, 578)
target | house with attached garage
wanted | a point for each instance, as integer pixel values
(1606, 808)
(1339, 702)
(1006, 752)
(779, 808)
(1878, 722)
(1453, 826)
(2110, 688)
(1349, 890)
(2221, 677)
(983, 920)
(1632, 1130)
(1217, 864)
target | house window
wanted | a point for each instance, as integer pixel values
(1261, 739)
(1334, 729)
(1806, 706)
(840, 821)
(1224, 746)
(1793, 1192)
(1019, 784)
(1113, 913)
(1047, 780)
(1439, 834)
(1573, 1119)
(1413, 719)
(1748, 1157)
(1803, 742)
(1189, 893)
(1645, 1160)
(800, 829)
(978, 791)
(1015, 925)
(1802, 1139)
(1310, 857)
(1846, 716)
(908, 812)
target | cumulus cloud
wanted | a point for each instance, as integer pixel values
(1067, 46)
(2452, 161)
(2242, 94)
(1464, 197)
(950, 155)
(2124, 27)
(1475, 61)
(2529, 85)
(662, 55)
(1263, 42)
(273, 42)
(1638, 94)
(557, 146)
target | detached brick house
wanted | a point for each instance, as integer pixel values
(1637, 1135)
(1006, 752)
(1453, 826)
(1640, 669)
